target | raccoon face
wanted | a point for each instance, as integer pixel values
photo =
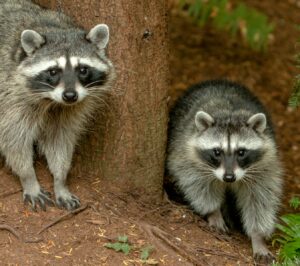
(68, 66)
(230, 150)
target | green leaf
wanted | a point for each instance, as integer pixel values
(123, 247)
(294, 100)
(289, 239)
(123, 239)
(145, 252)
(253, 25)
(295, 202)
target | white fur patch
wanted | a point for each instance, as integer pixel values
(249, 144)
(239, 173)
(207, 142)
(82, 92)
(62, 61)
(56, 94)
(75, 61)
(36, 69)
(234, 139)
(219, 173)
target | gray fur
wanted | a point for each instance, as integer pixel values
(31, 37)
(31, 41)
(209, 116)
(99, 35)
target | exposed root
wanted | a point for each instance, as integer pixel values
(9, 193)
(218, 253)
(64, 217)
(17, 234)
(163, 241)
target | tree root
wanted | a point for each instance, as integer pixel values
(9, 193)
(17, 234)
(218, 253)
(163, 240)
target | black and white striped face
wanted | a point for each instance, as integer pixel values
(68, 66)
(229, 152)
(66, 80)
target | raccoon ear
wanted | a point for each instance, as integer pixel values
(31, 40)
(203, 120)
(258, 122)
(99, 35)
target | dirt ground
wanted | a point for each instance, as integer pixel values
(178, 236)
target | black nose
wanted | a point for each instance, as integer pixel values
(229, 178)
(70, 96)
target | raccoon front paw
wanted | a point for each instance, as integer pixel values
(41, 198)
(264, 258)
(262, 255)
(68, 201)
(216, 222)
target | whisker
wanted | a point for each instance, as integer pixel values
(46, 84)
(100, 80)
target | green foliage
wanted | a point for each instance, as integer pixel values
(121, 245)
(289, 236)
(295, 202)
(251, 24)
(295, 97)
(145, 252)
(123, 239)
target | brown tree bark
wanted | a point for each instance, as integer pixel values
(128, 144)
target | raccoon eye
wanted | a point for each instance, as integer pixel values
(83, 71)
(241, 152)
(53, 72)
(217, 152)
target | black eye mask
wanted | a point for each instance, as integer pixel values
(90, 76)
(45, 80)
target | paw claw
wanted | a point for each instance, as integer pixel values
(217, 229)
(70, 202)
(41, 199)
(217, 223)
(264, 258)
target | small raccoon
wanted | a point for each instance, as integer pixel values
(221, 139)
(53, 76)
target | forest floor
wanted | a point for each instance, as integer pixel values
(177, 235)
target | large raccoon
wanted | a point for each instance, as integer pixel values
(53, 75)
(221, 139)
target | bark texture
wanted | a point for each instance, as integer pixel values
(127, 144)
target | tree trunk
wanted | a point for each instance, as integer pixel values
(127, 145)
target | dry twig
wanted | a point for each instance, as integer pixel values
(6, 194)
(63, 217)
(17, 234)
(218, 253)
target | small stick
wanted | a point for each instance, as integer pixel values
(217, 252)
(10, 229)
(17, 235)
(6, 194)
(63, 217)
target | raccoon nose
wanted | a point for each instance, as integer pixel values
(229, 178)
(70, 96)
